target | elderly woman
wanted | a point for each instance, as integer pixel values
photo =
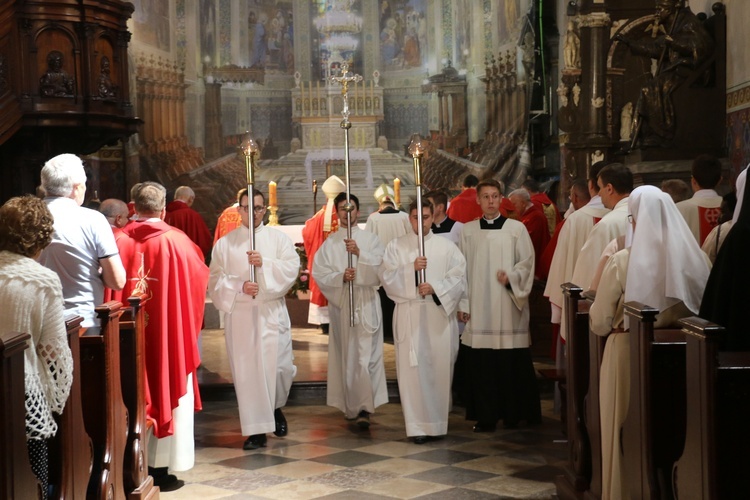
(32, 303)
(663, 267)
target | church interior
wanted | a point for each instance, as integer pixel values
(168, 90)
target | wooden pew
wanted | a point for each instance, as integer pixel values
(654, 430)
(138, 484)
(104, 412)
(71, 454)
(577, 475)
(16, 478)
(593, 422)
(714, 462)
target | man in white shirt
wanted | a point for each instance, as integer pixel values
(83, 251)
(703, 210)
(258, 330)
(356, 375)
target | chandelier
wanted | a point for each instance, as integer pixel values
(339, 26)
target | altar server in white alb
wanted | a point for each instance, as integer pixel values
(356, 376)
(258, 330)
(424, 323)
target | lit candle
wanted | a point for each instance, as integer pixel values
(397, 191)
(272, 193)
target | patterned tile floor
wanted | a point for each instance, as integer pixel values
(325, 456)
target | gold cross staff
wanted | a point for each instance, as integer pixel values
(344, 80)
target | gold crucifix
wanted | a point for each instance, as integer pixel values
(344, 80)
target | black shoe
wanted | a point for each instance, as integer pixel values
(255, 441)
(484, 427)
(324, 328)
(510, 424)
(164, 480)
(420, 439)
(282, 429)
(363, 420)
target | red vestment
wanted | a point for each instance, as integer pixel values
(187, 220)
(170, 267)
(313, 237)
(464, 207)
(110, 294)
(229, 220)
(549, 208)
(536, 224)
(546, 261)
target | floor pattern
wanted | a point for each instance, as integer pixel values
(325, 456)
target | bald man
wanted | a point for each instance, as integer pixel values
(181, 215)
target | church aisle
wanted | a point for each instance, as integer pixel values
(325, 456)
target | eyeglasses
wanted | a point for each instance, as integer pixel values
(257, 208)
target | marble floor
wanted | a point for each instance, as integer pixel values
(325, 456)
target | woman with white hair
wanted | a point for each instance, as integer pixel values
(663, 267)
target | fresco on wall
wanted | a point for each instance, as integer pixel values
(271, 36)
(151, 23)
(463, 33)
(403, 34)
(208, 31)
(508, 12)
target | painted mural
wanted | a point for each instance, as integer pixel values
(151, 23)
(271, 36)
(403, 34)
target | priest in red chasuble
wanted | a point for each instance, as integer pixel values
(168, 267)
(180, 214)
(316, 230)
(534, 220)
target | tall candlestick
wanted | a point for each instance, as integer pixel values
(397, 191)
(272, 194)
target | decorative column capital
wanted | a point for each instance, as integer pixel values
(594, 20)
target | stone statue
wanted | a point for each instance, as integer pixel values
(626, 122)
(105, 87)
(56, 82)
(572, 48)
(597, 156)
(679, 43)
(576, 95)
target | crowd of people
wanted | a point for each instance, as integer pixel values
(457, 310)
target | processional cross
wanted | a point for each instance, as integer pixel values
(344, 80)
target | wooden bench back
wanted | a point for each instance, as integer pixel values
(71, 454)
(104, 412)
(654, 429)
(16, 478)
(577, 475)
(714, 463)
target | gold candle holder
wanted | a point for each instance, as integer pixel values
(273, 219)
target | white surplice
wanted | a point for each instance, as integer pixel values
(388, 226)
(356, 375)
(573, 236)
(499, 316)
(425, 333)
(257, 330)
(612, 225)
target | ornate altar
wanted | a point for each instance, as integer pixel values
(317, 111)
